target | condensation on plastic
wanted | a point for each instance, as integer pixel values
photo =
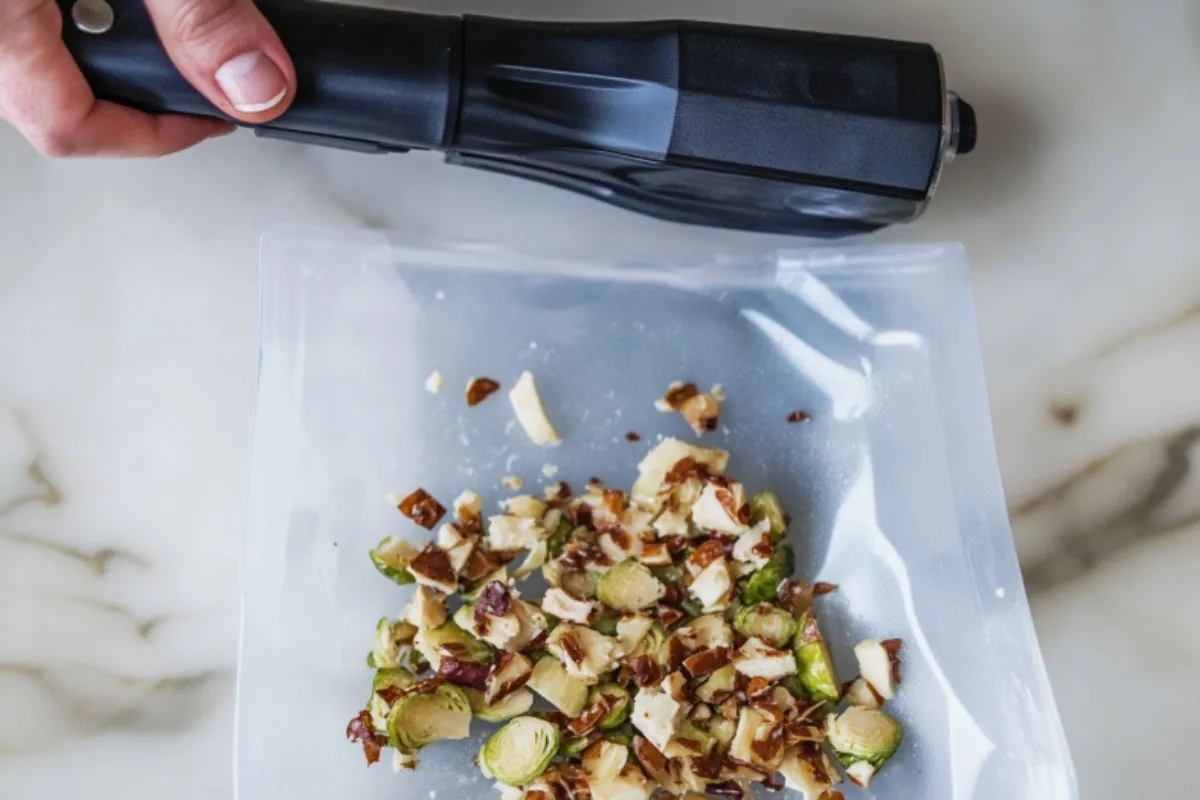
(892, 486)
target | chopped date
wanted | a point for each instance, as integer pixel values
(795, 596)
(799, 416)
(668, 616)
(706, 662)
(614, 501)
(422, 509)
(892, 647)
(389, 694)
(821, 587)
(646, 671)
(463, 673)
(708, 767)
(479, 389)
(362, 731)
(494, 600)
(680, 393)
(677, 651)
(483, 562)
(633, 436)
(434, 565)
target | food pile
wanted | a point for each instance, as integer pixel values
(673, 650)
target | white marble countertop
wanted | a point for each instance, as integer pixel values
(128, 296)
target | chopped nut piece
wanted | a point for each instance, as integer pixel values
(530, 413)
(434, 383)
(479, 389)
(798, 416)
(420, 507)
(432, 568)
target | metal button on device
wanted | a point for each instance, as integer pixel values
(92, 16)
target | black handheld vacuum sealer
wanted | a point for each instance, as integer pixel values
(712, 124)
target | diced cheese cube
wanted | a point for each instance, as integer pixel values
(744, 548)
(671, 523)
(500, 632)
(749, 722)
(711, 514)
(525, 505)
(427, 609)
(713, 587)
(708, 631)
(757, 659)
(514, 533)
(876, 667)
(656, 714)
(585, 653)
(558, 603)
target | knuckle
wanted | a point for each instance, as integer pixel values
(200, 22)
(54, 144)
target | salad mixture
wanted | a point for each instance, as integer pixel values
(673, 650)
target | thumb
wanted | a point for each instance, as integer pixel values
(229, 52)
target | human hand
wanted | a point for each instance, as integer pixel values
(225, 48)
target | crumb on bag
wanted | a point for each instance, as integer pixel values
(701, 410)
(527, 403)
(480, 389)
(434, 383)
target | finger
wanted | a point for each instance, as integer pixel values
(44, 95)
(229, 52)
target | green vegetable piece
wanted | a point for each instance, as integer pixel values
(814, 663)
(419, 719)
(519, 752)
(762, 585)
(385, 679)
(392, 643)
(692, 608)
(508, 707)
(770, 623)
(574, 746)
(452, 640)
(371, 660)
(687, 739)
(766, 505)
(863, 734)
(537, 655)
(652, 644)
(392, 557)
(550, 679)
(722, 680)
(668, 574)
(619, 697)
(558, 539)
(606, 624)
(723, 730)
(629, 586)
(623, 734)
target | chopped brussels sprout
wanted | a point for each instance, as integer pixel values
(388, 681)
(622, 734)
(392, 557)
(512, 705)
(863, 735)
(768, 622)
(550, 680)
(651, 644)
(762, 585)
(574, 745)
(617, 697)
(371, 660)
(606, 624)
(558, 537)
(449, 639)
(723, 680)
(668, 574)
(766, 505)
(464, 616)
(519, 752)
(814, 662)
(690, 740)
(722, 730)
(392, 643)
(629, 586)
(419, 719)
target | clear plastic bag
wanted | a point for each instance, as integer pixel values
(892, 484)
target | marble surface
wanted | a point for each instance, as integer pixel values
(128, 312)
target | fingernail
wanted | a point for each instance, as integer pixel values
(252, 82)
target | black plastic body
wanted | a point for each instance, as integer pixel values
(711, 124)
